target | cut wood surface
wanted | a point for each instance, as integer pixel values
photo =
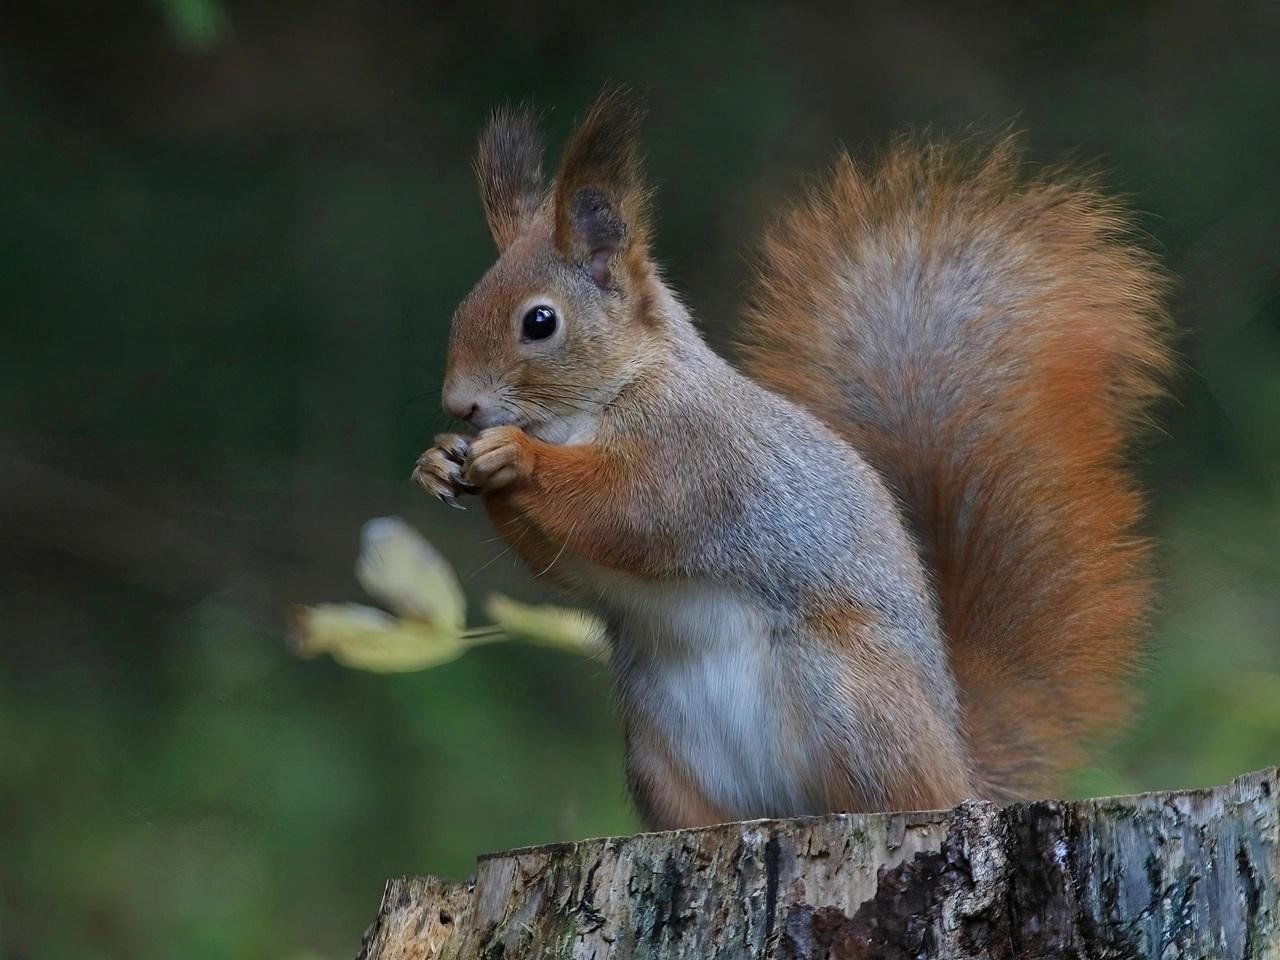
(1186, 874)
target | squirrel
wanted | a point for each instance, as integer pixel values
(889, 564)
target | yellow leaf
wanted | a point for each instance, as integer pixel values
(369, 639)
(398, 567)
(549, 626)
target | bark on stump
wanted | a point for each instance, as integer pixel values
(1189, 874)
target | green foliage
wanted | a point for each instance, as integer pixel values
(198, 23)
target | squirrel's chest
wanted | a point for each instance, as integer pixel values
(696, 664)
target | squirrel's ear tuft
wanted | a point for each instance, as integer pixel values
(601, 200)
(509, 168)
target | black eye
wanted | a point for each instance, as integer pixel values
(539, 323)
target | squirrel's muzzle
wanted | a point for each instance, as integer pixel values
(464, 399)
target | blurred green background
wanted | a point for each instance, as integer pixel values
(232, 237)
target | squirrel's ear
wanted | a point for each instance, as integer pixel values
(509, 168)
(601, 200)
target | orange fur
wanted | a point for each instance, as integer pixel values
(577, 496)
(989, 343)
(602, 158)
(522, 535)
(927, 768)
(663, 789)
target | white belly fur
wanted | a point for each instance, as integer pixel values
(699, 665)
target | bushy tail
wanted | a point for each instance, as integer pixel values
(990, 342)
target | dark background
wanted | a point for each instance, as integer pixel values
(231, 238)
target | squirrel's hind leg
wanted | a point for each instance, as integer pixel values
(665, 793)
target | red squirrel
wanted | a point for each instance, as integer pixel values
(891, 562)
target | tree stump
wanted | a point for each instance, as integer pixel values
(1188, 874)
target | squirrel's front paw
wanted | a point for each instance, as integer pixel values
(499, 456)
(439, 470)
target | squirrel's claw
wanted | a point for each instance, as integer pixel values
(439, 470)
(454, 445)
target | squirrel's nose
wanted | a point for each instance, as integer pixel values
(474, 403)
(460, 409)
(459, 403)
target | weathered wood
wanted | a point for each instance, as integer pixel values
(1191, 874)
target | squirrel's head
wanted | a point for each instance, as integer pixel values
(565, 318)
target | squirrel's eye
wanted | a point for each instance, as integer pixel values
(539, 323)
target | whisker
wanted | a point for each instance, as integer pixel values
(537, 403)
(488, 563)
(421, 396)
(581, 404)
(553, 560)
(565, 396)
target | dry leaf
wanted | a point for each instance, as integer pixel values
(370, 639)
(547, 625)
(398, 567)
